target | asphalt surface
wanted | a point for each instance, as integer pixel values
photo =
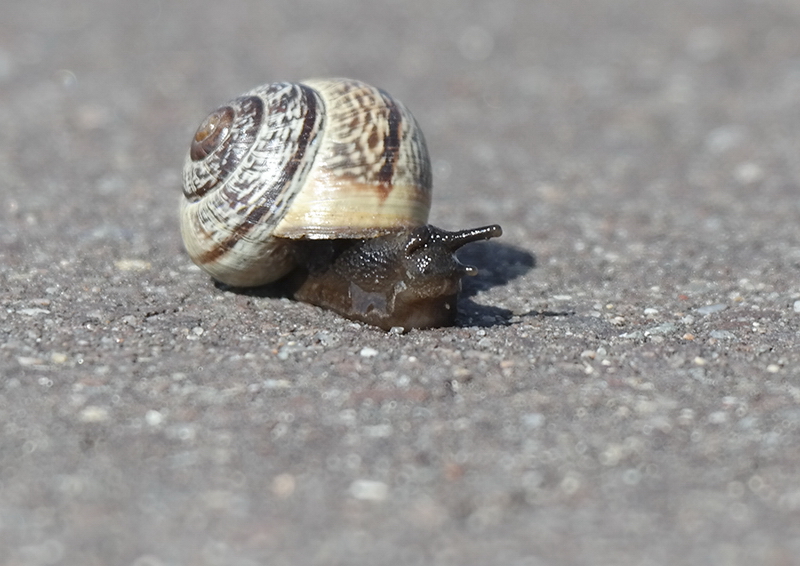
(623, 385)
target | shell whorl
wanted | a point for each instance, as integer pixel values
(319, 159)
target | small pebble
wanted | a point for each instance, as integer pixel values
(711, 309)
(153, 418)
(725, 138)
(33, 312)
(132, 265)
(533, 420)
(378, 431)
(571, 483)
(93, 414)
(283, 485)
(635, 335)
(718, 417)
(796, 306)
(369, 490)
(368, 352)
(325, 338)
(58, 358)
(748, 173)
(661, 329)
(722, 335)
(631, 476)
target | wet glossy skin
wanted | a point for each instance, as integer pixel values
(409, 279)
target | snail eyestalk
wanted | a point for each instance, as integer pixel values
(454, 240)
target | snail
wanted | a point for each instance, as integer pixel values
(326, 186)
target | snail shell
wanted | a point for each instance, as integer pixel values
(322, 159)
(289, 173)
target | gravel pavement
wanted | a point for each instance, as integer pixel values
(623, 384)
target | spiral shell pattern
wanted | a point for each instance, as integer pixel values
(322, 159)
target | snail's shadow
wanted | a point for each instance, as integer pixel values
(276, 290)
(497, 264)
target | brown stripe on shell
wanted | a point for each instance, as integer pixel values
(272, 137)
(391, 145)
(265, 205)
(303, 141)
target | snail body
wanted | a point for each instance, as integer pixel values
(325, 184)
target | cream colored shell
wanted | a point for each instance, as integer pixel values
(319, 159)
